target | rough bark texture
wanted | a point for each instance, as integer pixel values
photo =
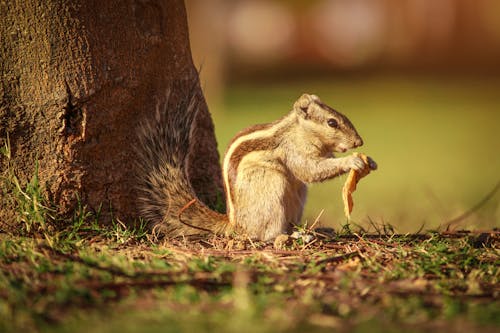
(77, 79)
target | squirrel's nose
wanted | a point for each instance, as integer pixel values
(358, 142)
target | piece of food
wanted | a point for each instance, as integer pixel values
(352, 180)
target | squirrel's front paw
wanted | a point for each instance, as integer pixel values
(354, 162)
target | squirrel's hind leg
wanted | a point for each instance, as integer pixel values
(261, 211)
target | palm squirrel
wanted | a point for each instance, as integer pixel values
(265, 169)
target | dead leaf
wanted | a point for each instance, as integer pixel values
(351, 182)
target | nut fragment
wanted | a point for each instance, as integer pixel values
(352, 180)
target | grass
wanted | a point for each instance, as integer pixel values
(96, 280)
(77, 275)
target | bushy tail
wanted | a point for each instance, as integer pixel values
(165, 196)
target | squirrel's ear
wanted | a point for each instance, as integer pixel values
(302, 104)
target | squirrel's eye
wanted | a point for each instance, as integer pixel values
(332, 123)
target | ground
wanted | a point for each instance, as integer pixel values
(112, 278)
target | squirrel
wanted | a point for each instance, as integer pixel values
(265, 169)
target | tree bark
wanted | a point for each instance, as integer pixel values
(78, 76)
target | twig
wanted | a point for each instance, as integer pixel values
(339, 258)
(317, 219)
(474, 208)
(110, 269)
(202, 283)
(186, 206)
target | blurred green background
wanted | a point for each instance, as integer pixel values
(436, 141)
(419, 80)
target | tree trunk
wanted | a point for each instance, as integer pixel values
(78, 76)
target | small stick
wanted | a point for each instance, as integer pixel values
(186, 206)
(474, 208)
